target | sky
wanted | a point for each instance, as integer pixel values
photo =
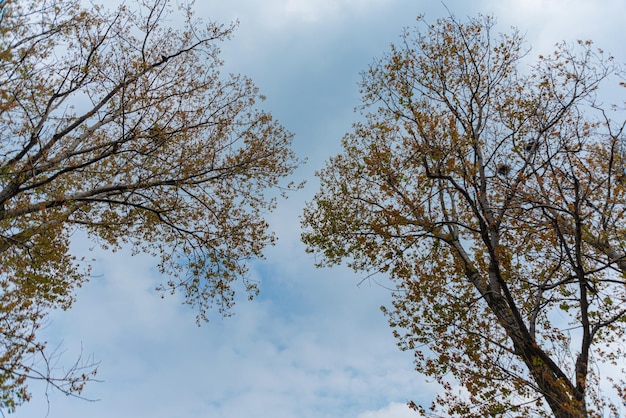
(314, 343)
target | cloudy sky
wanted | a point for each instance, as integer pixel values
(314, 343)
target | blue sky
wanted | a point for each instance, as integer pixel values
(314, 343)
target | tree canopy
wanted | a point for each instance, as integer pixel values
(493, 193)
(114, 123)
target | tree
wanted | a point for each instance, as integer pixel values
(113, 123)
(494, 198)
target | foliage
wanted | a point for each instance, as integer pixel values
(113, 123)
(494, 197)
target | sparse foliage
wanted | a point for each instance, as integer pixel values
(113, 123)
(494, 196)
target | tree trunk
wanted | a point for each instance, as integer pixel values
(562, 397)
(562, 401)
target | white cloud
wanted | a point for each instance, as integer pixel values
(313, 345)
(547, 22)
(393, 410)
(290, 14)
